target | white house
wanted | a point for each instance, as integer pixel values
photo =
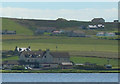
(22, 49)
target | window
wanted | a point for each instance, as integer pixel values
(28, 60)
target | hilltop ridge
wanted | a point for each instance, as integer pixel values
(28, 26)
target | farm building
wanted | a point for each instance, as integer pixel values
(100, 34)
(98, 20)
(109, 34)
(58, 32)
(10, 63)
(116, 21)
(6, 32)
(41, 59)
(45, 58)
(67, 65)
(105, 34)
(76, 34)
(42, 30)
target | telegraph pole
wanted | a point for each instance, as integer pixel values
(56, 47)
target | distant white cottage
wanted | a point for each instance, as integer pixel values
(95, 26)
(100, 25)
(92, 26)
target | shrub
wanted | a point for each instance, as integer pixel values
(90, 67)
(109, 37)
(18, 68)
(5, 68)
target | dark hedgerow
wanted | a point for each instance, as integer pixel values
(89, 67)
(18, 68)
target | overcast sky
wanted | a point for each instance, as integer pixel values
(82, 11)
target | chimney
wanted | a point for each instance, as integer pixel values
(16, 48)
(47, 50)
(29, 47)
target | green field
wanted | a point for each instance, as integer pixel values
(8, 24)
(99, 61)
(75, 46)
(10, 58)
(63, 44)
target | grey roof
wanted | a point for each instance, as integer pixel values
(11, 31)
(97, 19)
(15, 62)
(46, 28)
(67, 63)
(79, 32)
(33, 54)
(8, 32)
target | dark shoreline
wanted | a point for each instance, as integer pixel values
(60, 71)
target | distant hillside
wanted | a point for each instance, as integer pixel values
(28, 26)
(11, 25)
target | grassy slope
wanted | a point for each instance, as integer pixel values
(72, 25)
(13, 26)
(28, 26)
